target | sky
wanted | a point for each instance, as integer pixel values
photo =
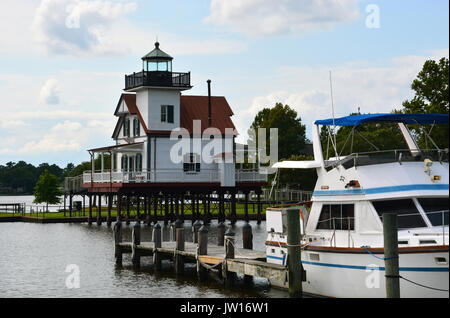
(62, 62)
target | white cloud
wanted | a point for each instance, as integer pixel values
(78, 26)
(292, 17)
(374, 89)
(50, 92)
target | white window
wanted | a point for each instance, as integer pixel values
(191, 162)
(167, 114)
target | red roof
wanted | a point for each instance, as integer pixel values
(192, 108)
(196, 108)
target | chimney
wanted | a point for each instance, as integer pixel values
(209, 103)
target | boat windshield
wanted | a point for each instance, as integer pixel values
(409, 217)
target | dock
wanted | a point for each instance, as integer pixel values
(221, 261)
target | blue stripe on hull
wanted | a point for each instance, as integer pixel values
(400, 188)
(402, 269)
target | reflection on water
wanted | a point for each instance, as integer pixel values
(34, 258)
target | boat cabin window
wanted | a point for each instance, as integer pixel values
(436, 209)
(337, 217)
(406, 210)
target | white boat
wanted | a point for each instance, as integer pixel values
(342, 245)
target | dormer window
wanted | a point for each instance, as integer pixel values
(126, 127)
(136, 128)
(167, 114)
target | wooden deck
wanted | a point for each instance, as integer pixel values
(247, 262)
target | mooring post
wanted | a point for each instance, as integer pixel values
(229, 254)
(295, 270)
(202, 250)
(247, 240)
(195, 227)
(391, 261)
(136, 238)
(220, 234)
(157, 244)
(179, 259)
(117, 240)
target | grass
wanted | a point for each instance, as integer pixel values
(133, 211)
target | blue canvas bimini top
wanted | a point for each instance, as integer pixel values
(355, 120)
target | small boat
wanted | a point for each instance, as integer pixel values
(342, 228)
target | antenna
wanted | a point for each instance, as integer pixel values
(334, 125)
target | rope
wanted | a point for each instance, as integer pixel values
(206, 265)
(410, 281)
(381, 258)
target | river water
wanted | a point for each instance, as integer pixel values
(34, 259)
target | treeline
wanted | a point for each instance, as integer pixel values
(21, 177)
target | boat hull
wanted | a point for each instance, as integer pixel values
(356, 273)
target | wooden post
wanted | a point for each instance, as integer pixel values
(195, 227)
(138, 207)
(90, 210)
(117, 240)
(99, 211)
(390, 234)
(179, 259)
(233, 208)
(229, 254)
(182, 207)
(157, 242)
(258, 198)
(221, 207)
(148, 209)
(178, 224)
(202, 250)
(136, 238)
(294, 253)
(246, 206)
(119, 206)
(166, 209)
(84, 205)
(155, 208)
(65, 197)
(247, 240)
(70, 205)
(108, 217)
(127, 218)
(220, 234)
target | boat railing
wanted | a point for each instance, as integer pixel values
(339, 224)
(388, 156)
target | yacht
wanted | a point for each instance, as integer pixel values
(342, 228)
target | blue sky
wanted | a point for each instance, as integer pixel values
(62, 62)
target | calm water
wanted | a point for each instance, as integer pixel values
(34, 258)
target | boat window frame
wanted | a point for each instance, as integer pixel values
(422, 210)
(336, 203)
(380, 221)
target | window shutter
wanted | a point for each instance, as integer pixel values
(170, 114)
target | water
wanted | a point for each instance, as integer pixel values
(34, 258)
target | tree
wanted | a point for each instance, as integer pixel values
(291, 132)
(47, 189)
(431, 96)
(304, 179)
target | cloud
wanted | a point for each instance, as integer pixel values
(50, 92)
(283, 17)
(363, 85)
(78, 27)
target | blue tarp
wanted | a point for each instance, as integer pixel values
(377, 118)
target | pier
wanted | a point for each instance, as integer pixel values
(221, 262)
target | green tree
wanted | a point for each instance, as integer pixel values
(431, 96)
(291, 132)
(47, 189)
(304, 179)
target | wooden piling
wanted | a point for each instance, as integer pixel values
(117, 240)
(90, 210)
(295, 270)
(202, 250)
(195, 227)
(179, 259)
(247, 242)
(157, 242)
(108, 217)
(391, 261)
(227, 276)
(220, 234)
(136, 240)
(99, 211)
